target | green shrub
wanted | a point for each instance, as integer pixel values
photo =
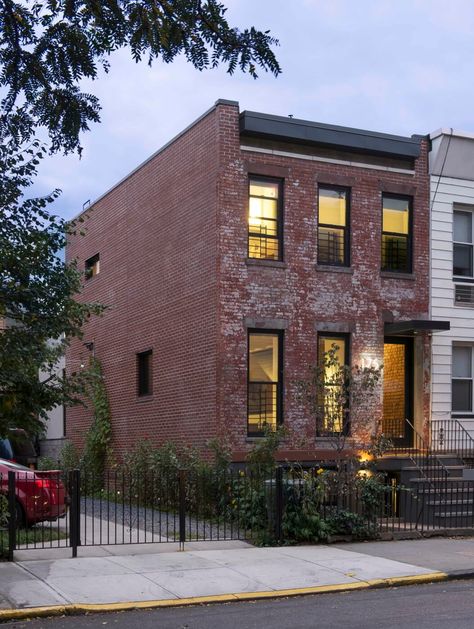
(47, 463)
(69, 457)
(342, 522)
(4, 513)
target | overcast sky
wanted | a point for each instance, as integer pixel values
(398, 66)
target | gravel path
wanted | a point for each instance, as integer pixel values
(160, 523)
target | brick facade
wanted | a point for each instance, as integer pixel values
(172, 239)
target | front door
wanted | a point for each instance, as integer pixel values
(398, 390)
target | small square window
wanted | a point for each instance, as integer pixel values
(144, 373)
(92, 266)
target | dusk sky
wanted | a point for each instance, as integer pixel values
(399, 67)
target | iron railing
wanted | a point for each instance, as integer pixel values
(448, 436)
(284, 504)
(424, 459)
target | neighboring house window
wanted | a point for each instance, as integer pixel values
(92, 266)
(145, 373)
(396, 233)
(333, 225)
(333, 416)
(265, 221)
(264, 381)
(461, 389)
(462, 244)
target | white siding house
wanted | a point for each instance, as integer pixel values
(452, 276)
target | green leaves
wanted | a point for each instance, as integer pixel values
(48, 48)
(38, 310)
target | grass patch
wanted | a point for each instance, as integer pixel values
(37, 534)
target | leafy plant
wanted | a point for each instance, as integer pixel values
(46, 463)
(97, 444)
(69, 457)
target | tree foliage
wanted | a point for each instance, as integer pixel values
(37, 301)
(47, 48)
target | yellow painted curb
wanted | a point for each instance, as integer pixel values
(82, 608)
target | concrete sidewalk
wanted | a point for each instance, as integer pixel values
(158, 574)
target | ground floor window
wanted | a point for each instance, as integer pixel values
(333, 356)
(461, 384)
(264, 381)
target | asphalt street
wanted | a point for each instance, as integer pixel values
(447, 605)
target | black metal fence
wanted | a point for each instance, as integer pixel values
(76, 509)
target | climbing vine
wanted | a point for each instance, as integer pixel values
(97, 449)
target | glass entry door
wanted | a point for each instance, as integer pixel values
(398, 390)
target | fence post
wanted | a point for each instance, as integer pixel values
(75, 511)
(278, 504)
(12, 523)
(182, 508)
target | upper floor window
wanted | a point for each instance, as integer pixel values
(461, 383)
(462, 243)
(92, 266)
(144, 373)
(333, 225)
(396, 233)
(264, 381)
(265, 221)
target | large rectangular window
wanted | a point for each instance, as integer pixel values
(265, 221)
(333, 356)
(264, 381)
(145, 373)
(333, 225)
(461, 383)
(396, 233)
(462, 244)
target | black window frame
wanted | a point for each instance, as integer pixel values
(464, 278)
(463, 412)
(346, 229)
(409, 236)
(279, 395)
(89, 265)
(148, 390)
(346, 337)
(279, 231)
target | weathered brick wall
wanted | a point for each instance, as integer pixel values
(299, 293)
(156, 235)
(172, 240)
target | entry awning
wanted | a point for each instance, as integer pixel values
(415, 325)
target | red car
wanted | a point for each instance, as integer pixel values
(40, 496)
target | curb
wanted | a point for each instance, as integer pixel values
(83, 608)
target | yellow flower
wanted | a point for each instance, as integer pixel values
(320, 471)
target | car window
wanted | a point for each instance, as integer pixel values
(5, 449)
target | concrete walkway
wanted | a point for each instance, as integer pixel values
(221, 570)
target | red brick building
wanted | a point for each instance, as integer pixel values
(235, 251)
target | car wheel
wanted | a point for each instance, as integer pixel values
(20, 520)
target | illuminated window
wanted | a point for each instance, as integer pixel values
(144, 373)
(462, 243)
(92, 266)
(396, 236)
(461, 396)
(264, 381)
(333, 354)
(333, 226)
(265, 237)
